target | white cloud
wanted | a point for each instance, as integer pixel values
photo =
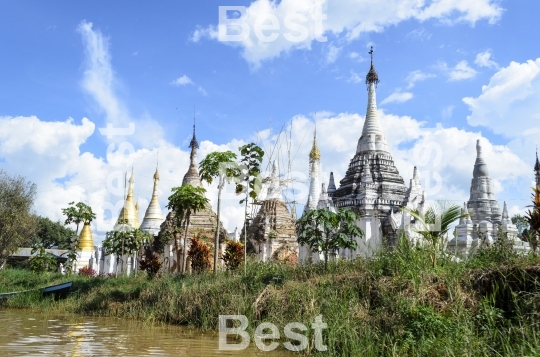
(202, 91)
(461, 71)
(346, 19)
(182, 81)
(100, 82)
(446, 112)
(483, 59)
(417, 76)
(355, 78)
(397, 97)
(209, 32)
(333, 53)
(509, 103)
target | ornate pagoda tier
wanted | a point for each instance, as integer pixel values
(273, 230)
(372, 185)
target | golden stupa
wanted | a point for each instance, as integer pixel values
(130, 211)
(86, 243)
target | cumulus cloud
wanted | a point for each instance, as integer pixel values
(397, 97)
(483, 59)
(182, 81)
(100, 82)
(417, 76)
(459, 72)
(508, 104)
(332, 54)
(279, 27)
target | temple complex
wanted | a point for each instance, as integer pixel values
(372, 186)
(484, 223)
(202, 223)
(272, 233)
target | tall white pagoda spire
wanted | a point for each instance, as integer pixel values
(274, 187)
(314, 175)
(153, 216)
(372, 136)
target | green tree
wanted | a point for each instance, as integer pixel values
(186, 200)
(124, 240)
(42, 261)
(435, 223)
(325, 231)
(18, 224)
(533, 219)
(76, 213)
(249, 181)
(521, 224)
(53, 234)
(220, 165)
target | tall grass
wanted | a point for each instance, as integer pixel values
(394, 304)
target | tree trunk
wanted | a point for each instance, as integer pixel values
(184, 253)
(216, 238)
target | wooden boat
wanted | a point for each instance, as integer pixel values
(58, 290)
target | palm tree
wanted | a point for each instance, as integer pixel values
(222, 166)
(436, 222)
(186, 200)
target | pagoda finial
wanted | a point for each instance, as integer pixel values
(193, 143)
(372, 76)
(315, 153)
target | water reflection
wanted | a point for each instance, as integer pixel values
(23, 333)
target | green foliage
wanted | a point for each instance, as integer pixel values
(42, 261)
(533, 219)
(17, 223)
(76, 213)
(233, 255)
(199, 253)
(249, 179)
(186, 200)
(221, 165)
(53, 234)
(325, 231)
(218, 165)
(125, 240)
(521, 224)
(435, 223)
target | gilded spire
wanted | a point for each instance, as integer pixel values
(315, 154)
(86, 242)
(130, 210)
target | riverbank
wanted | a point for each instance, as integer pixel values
(394, 304)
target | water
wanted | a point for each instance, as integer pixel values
(25, 333)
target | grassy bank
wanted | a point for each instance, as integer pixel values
(394, 304)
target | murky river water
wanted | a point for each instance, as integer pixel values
(24, 333)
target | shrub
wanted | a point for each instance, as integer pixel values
(151, 265)
(199, 253)
(233, 255)
(87, 271)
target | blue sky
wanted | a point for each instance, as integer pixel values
(151, 63)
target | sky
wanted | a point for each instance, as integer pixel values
(451, 72)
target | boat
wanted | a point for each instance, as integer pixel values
(59, 291)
